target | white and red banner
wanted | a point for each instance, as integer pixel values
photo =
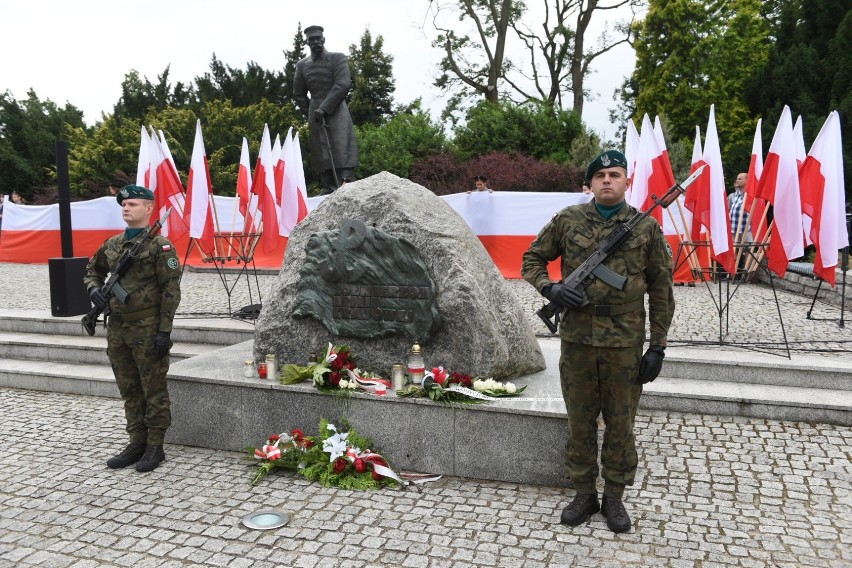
(506, 222)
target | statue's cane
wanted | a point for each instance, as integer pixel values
(330, 156)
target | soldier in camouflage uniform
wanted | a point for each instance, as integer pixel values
(138, 332)
(602, 368)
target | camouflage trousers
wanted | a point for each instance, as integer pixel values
(141, 379)
(600, 381)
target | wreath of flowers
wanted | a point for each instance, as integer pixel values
(334, 458)
(336, 371)
(443, 386)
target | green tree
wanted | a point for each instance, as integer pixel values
(97, 156)
(139, 95)
(29, 130)
(537, 130)
(394, 145)
(242, 87)
(558, 50)
(112, 150)
(475, 63)
(371, 101)
(691, 54)
(293, 56)
(807, 68)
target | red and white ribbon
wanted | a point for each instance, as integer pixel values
(268, 452)
(367, 382)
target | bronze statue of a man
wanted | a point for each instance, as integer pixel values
(325, 75)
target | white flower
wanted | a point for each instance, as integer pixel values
(335, 445)
(478, 385)
(344, 384)
(511, 388)
(352, 385)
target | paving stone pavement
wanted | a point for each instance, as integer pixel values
(710, 491)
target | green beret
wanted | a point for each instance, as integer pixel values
(134, 192)
(608, 159)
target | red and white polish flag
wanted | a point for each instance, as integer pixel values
(823, 198)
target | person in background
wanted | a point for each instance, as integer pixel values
(480, 183)
(18, 198)
(138, 332)
(602, 331)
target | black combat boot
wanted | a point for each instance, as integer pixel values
(616, 515)
(128, 456)
(580, 509)
(152, 458)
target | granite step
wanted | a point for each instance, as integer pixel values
(212, 331)
(55, 376)
(76, 348)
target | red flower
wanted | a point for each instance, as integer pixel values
(306, 443)
(340, 465)
(274, 438)
(337, 364)
(360, 466)
(440, 375)
(377, 476)
(297, 434)
(351, 366)
(462, 379)
(334, 378)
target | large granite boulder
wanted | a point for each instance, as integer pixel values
(479, 328)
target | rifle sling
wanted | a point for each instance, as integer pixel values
(605, 310)
(125, 317)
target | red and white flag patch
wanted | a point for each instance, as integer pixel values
(167, 247)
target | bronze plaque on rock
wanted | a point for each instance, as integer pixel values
(359, 281)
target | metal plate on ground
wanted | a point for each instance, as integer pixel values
(267, 519)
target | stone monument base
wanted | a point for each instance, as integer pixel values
(518, 439)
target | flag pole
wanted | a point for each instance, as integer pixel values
(695, 263)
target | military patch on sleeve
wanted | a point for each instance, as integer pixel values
(167, 247)
(172, 263)
(668, 248)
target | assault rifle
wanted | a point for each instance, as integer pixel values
(594, 267)
(112, 287)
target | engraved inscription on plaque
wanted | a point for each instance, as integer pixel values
(359, 281)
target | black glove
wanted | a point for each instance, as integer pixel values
(563, 296)
(319, 115)
(652, 363)
(97, 297)
(162, 344)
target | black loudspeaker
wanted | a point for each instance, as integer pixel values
(68, 294)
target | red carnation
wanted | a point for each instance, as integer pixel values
(306, 443)
(334, 378)
(337, 364)
(360, 466)
(351, 366)
(297, 434)
(274, 438)
(339, 465)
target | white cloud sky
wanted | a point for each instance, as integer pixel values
(79, 51)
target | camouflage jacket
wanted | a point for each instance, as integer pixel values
(153, 280)
(644, 259)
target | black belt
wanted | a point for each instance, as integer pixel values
(607, 310)
(134, 316)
